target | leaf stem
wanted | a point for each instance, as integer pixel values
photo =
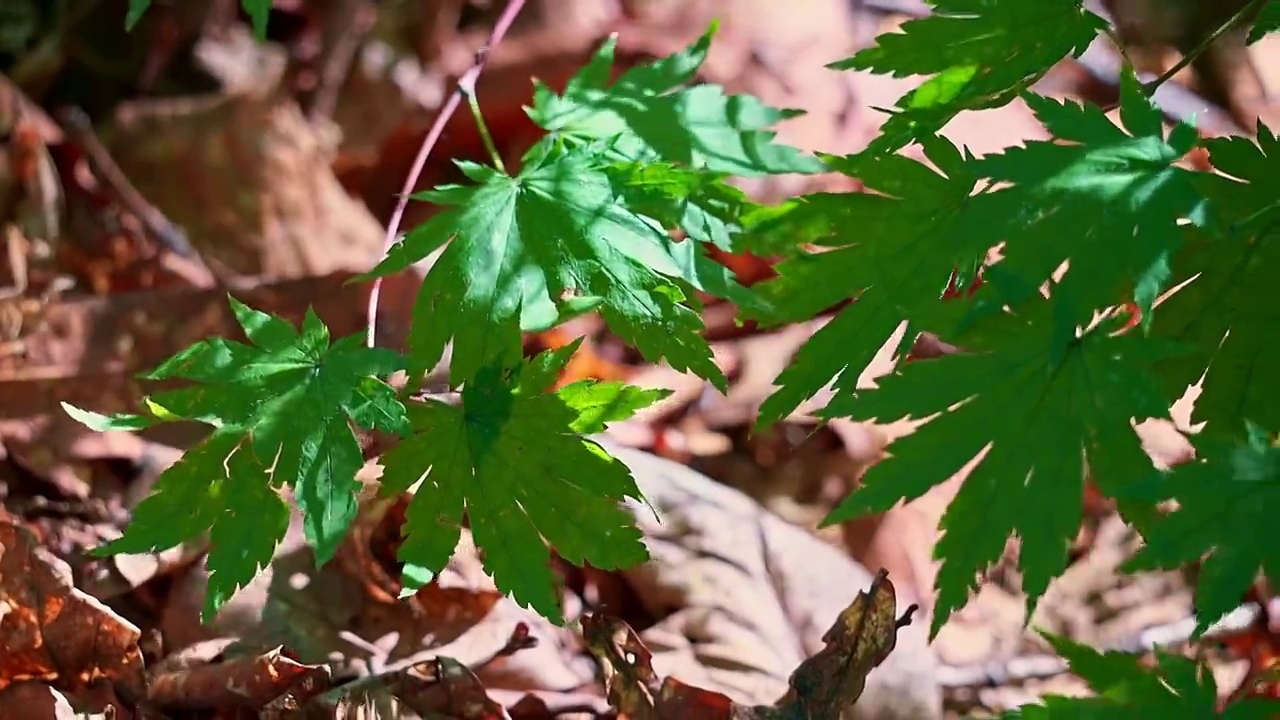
(474, 104)
(1199, 50)
(468, 80)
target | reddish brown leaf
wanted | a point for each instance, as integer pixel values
(53, 632)
(36, 701)
(249, 682)
(447, 688)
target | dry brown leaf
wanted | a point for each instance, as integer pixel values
(247, 682)
(542, 705)
(445, 687)
(743, 597)
(440, 685)
(350, 608)
(37, 701)
(443, 609)
(860, 639)
(823, 686)
(52, 631)
(247, 176)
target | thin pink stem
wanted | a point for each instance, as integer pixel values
(466, 84)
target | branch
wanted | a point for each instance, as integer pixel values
(465, 84)
(1198, 50)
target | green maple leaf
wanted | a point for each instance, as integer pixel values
(1108, 199)
(292, 394)
(1228, 313)
(522, 244)
(1176, 687)
(1268, 22)
(514, 460)
(1226, 498)
(219, 487)
(258, 11)
(708, 209)
(981, 55)
(137, 8)
(650, 113)
(893, 251)
(673, 146)
(1048, 407)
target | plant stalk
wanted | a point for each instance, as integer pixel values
(1198, 50)
(492, 149)
(468, 80)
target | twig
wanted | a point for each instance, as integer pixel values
(170, 236)
(1198, 50)
(346, 27)
(468, 80)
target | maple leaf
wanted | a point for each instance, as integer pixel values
(520, 244)
(708, 209)
(673, 146)
(1048, 408)
(291, 395)
(981, 55)
(1108, 200)
(137, 8)
(892, 251)
(1176, 687)
(220, 487)
(1225, 498)
(1268, 21)
(648, 113)
(257, 10)
(1227, 314)
(513, 458)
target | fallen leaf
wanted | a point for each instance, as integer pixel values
(823, 686)
(37, 701)
(52, 631)
(247, 682)
(742, 597)
(447, 687)
(245, 173)
(860, 639)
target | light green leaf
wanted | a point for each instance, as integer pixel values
(522, 243)
(650, 113)
(137, 8)
(219, 487)
(293, 393)
(258, 11)
(981, 55)
(513, 460)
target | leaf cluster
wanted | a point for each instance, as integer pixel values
(1065, 253)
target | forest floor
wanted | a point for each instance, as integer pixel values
(280, 163)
